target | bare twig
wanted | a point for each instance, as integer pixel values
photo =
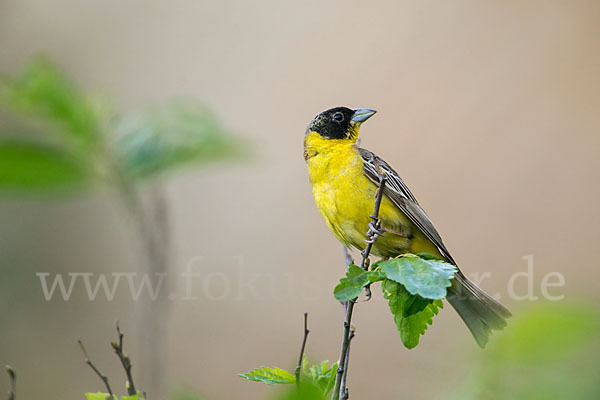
(13, 382)
(345, 375)
(152, 224)
(92, 366)
(340, 391)
(125, 361)
(301, 358)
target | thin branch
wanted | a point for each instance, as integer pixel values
(13, 382)
(92, 366)
(340, 391)
(125, 361)
(345, 375)
(301, 358)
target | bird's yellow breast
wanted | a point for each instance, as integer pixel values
(345, 196)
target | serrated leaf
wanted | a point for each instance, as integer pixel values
(98, 396)
(270, 376)
(428, 278)
(414, 304)
(413, 326)
(352, 284)
(321, 375)
(27, 166)
(170, 136)
(43, 90)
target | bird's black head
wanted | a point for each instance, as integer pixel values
(339, 122)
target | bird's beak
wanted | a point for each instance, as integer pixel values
(361, 115)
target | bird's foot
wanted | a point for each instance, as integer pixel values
(375, 230)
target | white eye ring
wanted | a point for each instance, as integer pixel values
(339, 117)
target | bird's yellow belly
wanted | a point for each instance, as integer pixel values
(346, 208)
(346, 199)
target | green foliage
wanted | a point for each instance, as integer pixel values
(549, 351)
(413, 286)
(30, 166)
(426, 277)
(355, 280)
(411, 320)
(270, 376)
(170, 136)
(352, 284)
(77, 143)
(43, 91)
(316, 381)
(322, 376)
(306, 391)
(186, 393)
(106, 396)
(98, 396)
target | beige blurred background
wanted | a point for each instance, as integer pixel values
(489, 111)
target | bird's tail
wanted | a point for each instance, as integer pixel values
(481, 313)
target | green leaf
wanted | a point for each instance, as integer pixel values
(321, 375)
(98, 396)
(27, 166)
(414, 325)
(352, 285)
(43, 90)
(270, 376)
(376, 276)
(174, 135)
(414, 304)
(306, 391)
(428, 278)
(137, 396)
(550, 350)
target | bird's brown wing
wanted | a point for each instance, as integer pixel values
(401, 196)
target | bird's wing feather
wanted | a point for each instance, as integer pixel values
(401, 196)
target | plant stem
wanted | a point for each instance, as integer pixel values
(342, 366)
(339, 390)
(93, 367)
(299, 367)
(125, 361)
(13, 382)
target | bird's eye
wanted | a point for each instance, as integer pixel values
(339, 117)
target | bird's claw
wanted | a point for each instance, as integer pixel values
(374, 231)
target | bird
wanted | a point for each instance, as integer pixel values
(345, 179)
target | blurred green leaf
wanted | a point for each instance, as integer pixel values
(414, 325)
(307, 391)
(170, 136)
(550, 351)
(106, 396)
(137, 396)
(186, 393)
(320, 375)
(31, 167)
(43, 91)
(270, 376)
(428, 278)
(98, 396)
